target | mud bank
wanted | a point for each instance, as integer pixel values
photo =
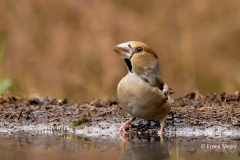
(193, 116)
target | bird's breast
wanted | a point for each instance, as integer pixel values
(140, 99)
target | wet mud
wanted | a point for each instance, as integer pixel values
(193, 115)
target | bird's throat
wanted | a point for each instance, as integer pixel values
(129, 64)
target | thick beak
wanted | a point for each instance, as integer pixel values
(124, 49)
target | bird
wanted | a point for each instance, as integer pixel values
(141, 92)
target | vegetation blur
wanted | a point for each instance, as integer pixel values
(63, 49)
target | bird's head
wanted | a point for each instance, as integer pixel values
(137, 55)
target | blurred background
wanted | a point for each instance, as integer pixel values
(63, 49)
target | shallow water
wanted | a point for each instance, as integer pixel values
(24, 146)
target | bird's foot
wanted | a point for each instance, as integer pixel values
(160, 132)
(124, 127)
(124, 136)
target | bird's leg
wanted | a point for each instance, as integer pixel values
(126, 124)
(162, 123)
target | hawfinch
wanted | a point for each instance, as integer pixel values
(141, 92)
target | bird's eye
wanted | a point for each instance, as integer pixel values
(139, 49)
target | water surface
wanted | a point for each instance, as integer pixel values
(25, 146)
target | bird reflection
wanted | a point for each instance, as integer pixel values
(146, 151)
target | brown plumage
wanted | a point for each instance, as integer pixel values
(141, 92)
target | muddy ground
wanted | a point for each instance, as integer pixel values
(190, 114)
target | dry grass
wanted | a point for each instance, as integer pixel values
(63, 48)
